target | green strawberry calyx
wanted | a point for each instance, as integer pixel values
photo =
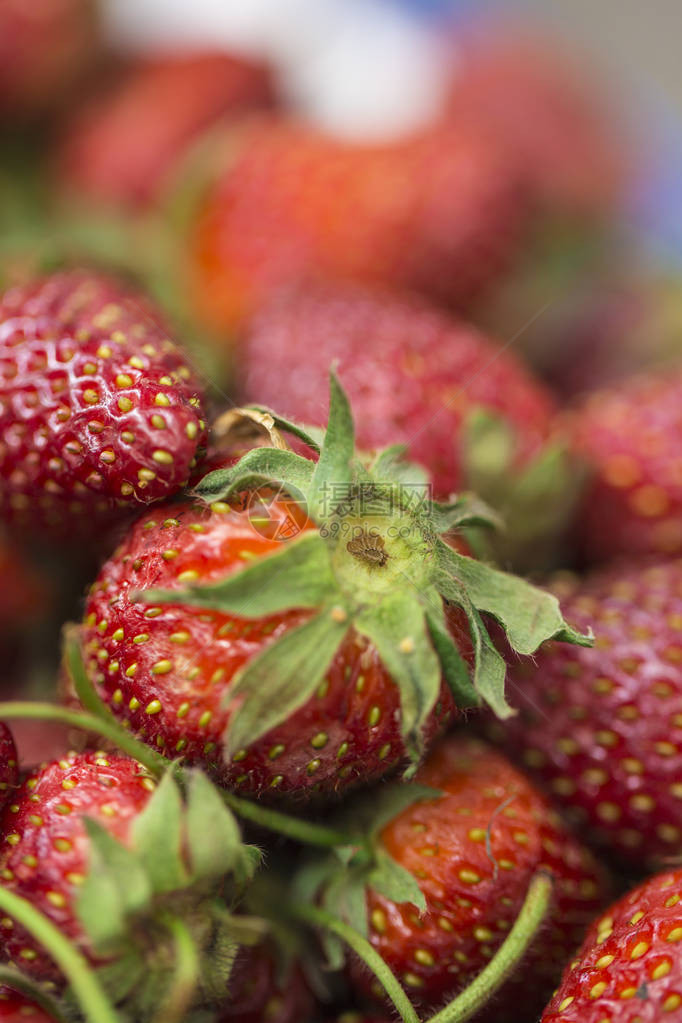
(375, 556)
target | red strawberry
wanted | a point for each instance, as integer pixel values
(262, 989)
(8, 764)
(124, 144)
(414, 375)
(295, 641)
(100, 413)
(472, 414)
(631, 437)
(45, 45)
(18, 1008)
(629, 969)
(45, 849)
(439, 213)
(602, 728)
(552, 116)
(473, 853)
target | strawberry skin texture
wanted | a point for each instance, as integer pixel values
(45, 46)
(438, 213)
(8, 764)
(601, 728)
(44, 854)
(168, 670)
(631, 437)
(629, 969)
(121, 148)
(17, 1008)
(413, 374)
(471, 904)
(99, 412)
(260, 989)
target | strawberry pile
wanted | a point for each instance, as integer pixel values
(342, 634)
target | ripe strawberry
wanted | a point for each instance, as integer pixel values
(630, 436)
(551, 116)
(45, 46)
(45, 850)
(472, 414)
(414, 375)
(472, 854)
(602, 728)
(18, 1008)
(261, 988)
(123, 145)
(271, 636)
(100, 414)
(8, 764)
(439, 213)
(629, 969)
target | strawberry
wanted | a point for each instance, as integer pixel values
(629, 969)
(468, 846)
(630, 436)
(197, 628)
(45, 850)
(8, 764)
(45, 46)
(602, 729)
(261, 988)
(100, 414)
(438, 213)
(18, 1008)
(552, 116)
(473, 415)
(122, 146)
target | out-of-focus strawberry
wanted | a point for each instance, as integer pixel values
(122, 146)
(438, 213)
(45, 45)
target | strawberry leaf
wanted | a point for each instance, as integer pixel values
(333, 467)
(392, 465)
(213, 835)
(298, 575)
(280, 679)
(157, 834)
(397, 628)
(453, 666)
(394, 882)
(312, 436)
(258, 467)
(467, 510)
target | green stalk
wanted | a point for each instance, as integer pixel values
(292, 827)
(185, 977)
(154, 762)
(362, 948)
(12, 978)
(87, 990)
(508, 956)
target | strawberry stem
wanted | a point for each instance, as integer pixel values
(292, 827)
(17, 981)
(470, 1001)
(87, 990)
(362, 948)
(185, 977)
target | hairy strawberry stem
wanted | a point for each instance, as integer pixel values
(271, 820)
(185, 977)
(86, 988)
(504, 962)
(12, 978)
(362, 948)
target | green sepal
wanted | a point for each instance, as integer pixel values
(392, 465)
(530, 616)
(397, 628)
(312, 436)
(116, 887)
(453, 666)
(282, 677)
(394, 882)
(371, 812)
(467, 510)
(333, 467)
(157, 836)
(297, 575)
(258, 467)
(213, 837)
